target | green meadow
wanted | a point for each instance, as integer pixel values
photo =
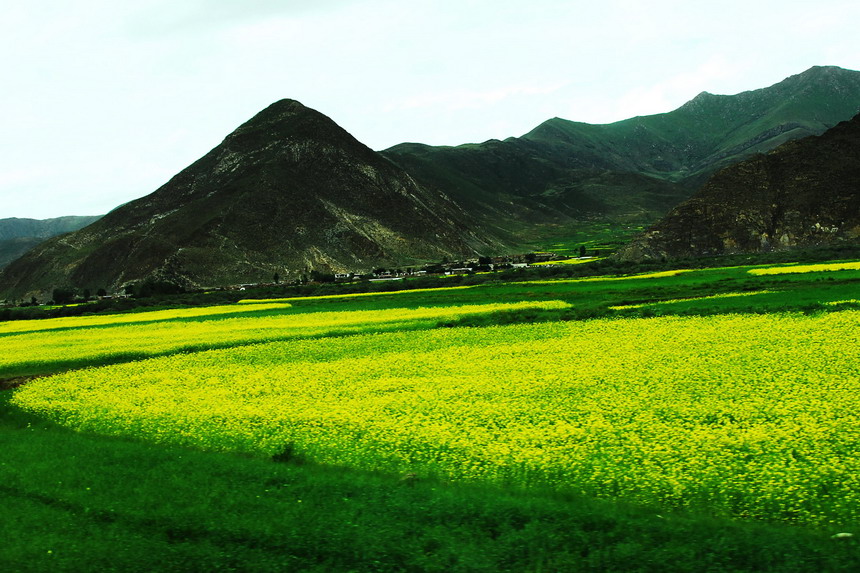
(680, 420)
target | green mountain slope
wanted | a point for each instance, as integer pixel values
(805, 193)
(17, 236)
(637, 169)
(11, 249)
(714, 130)
(15, 228)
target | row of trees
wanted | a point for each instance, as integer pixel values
(70, 295)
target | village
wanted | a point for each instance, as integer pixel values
(443, 268)
(66, 296)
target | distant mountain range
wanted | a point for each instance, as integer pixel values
(17, 236)
(290, 192)
(636, 169)
(806, 193)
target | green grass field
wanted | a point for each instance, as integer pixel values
(691, 420)
(601, 237)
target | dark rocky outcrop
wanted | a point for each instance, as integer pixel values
(806, 193)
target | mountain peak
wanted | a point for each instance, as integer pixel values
(285, 115)
(822, 70)
(819, 77)
(287, 122)
(283, 109)
(287, 104)
(289, 191)
(701, 99)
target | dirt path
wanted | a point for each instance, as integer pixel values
(11, 383)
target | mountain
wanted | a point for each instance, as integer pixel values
(287, 192)
(11, 249)
(805, 193)
(568, 173)
(17, 236)
(15, 228)
(291, 192)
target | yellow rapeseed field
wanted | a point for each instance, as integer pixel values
(709, 297)
(18, 326)
(749, 415)
(98, 339)
(654, 275)
(353, 295)
(817, 267)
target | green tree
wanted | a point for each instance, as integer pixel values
(63, 295)
(321, 277)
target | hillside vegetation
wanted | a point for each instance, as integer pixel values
(805, 193)
(633, 170)
(17, 236)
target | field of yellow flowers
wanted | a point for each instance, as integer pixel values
(746, 415)
(42, 346)
(811, 268)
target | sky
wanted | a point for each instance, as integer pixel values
(103, 101)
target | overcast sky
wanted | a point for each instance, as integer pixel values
(103, 101)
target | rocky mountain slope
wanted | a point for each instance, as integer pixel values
(637, 169)
(17, 236)
(805, 193)
(287, 192)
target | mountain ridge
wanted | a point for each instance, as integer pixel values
(805, 193)
(733, 122)
(19, 235)
(21, 227)
(566, 172)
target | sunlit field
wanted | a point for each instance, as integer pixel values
(645, 409)
(33, 347)
(689, 407)
(786, 269)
